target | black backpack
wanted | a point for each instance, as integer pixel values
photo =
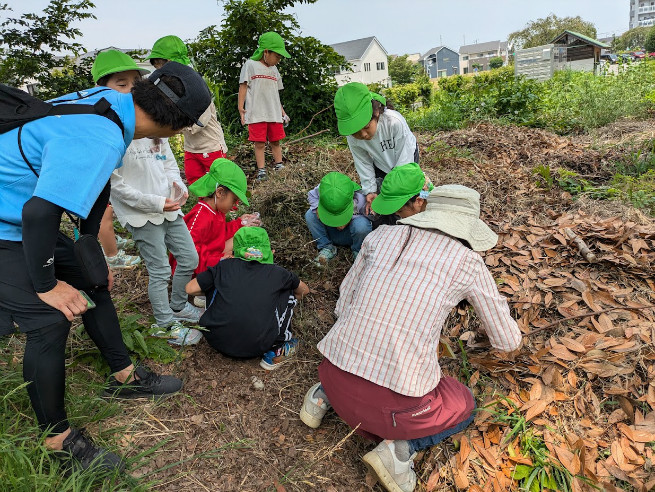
(18, 107)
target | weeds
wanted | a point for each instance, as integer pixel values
(544, 473)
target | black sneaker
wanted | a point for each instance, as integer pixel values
(261, 175)
(84, 455)
(147, 384)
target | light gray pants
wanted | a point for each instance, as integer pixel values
(153, 242)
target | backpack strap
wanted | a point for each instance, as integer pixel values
(102, 107)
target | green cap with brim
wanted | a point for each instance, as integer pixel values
(352, 104)
(271, 41)
(401, 184)
(222, 172)
(170, 48)
(335, 203)
(252, 244)
(113, 61)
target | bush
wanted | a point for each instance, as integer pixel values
(496, 62)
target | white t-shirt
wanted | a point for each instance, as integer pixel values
(262, 98)
(393, 145)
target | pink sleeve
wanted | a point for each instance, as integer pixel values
(493, 310)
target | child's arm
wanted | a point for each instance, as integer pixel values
(301, 291)
(193, 288)
(243, 89)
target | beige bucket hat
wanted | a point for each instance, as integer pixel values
(455, 210)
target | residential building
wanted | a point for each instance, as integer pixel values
(140, 62)
(477, 55)
(570, 50)
(642, 13)
(367, 59)
(440, 62)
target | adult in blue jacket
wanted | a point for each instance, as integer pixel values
(72, 158)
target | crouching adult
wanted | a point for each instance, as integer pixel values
(381, 372)
(60, 164)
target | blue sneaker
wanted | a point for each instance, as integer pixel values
(275, 358)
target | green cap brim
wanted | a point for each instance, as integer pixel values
(282, 51)
(387, 206)
(124, 68)
(338, 220)
(206, 185)
(356, 122)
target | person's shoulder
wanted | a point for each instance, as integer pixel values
(393, 117)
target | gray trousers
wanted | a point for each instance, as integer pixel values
(154, 242)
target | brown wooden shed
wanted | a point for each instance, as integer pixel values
(579, 47)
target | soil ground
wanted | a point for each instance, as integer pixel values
(577, 381)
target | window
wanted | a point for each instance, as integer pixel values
(465, 57)
(466, 70)
(379, 65)
(442, 73)
(491, 53)
(367, 67)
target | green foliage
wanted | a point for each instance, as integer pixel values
(29, 45)
(308, 75)
(543, 171)
(402, 70)
(632, 39)
(403, 96)
(649, 43)
(70, 78)
(575, 101)
(495, 62)
(543, 31)
(544, 473)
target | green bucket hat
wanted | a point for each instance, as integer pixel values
(113, 61)
(252, 244)
(352, 104)
(222, 172)
(335, 203)
(401, 184)
(170, 48)
(271, 41)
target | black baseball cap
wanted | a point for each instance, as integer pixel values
(196, 98)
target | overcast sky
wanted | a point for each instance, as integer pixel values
(402, 26)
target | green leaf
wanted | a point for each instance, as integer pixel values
(128, 340)
(522, 471)
(139, 338)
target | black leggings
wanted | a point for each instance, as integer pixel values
(45, 349)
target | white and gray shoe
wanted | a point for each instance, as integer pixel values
(190, 314)
(314, 407)
(393, 474)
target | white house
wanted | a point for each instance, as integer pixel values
(368, 62)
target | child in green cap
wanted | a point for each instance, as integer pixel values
(251, 302)
(202, 144)
(378, 136)
(259, 99)
(404, 192)
(220, 191)
(116, 70)
(142, 192)
(337, 216)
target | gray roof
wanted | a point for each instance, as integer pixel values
(93, 53)
(353, 50)
(482, 47)
(433, 51)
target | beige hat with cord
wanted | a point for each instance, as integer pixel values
(455, 210)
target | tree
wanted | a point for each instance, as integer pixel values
(632, 39)
(543, 31)
(308, 75)
(402, 70)
(29, 46)
(649, 44)
(496, 62)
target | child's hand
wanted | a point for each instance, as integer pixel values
(171, 205)
(242, 112)
(369, 199)
(250, 220)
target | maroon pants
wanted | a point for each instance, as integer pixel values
(384, 414)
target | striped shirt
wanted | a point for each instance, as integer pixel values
(395, 299)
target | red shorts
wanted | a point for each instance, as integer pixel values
(197, 165)
(265, 131)
(385, 414)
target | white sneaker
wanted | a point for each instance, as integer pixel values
(177, 333)
(393, 474)
(190, 313)
(313, 409)
(122, 261)
(200, 301)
